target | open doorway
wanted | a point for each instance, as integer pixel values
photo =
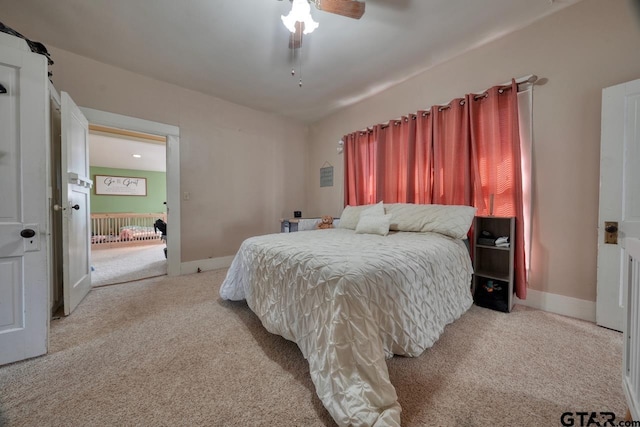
(170, 134)
(128, 205)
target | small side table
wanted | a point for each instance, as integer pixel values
(291, 225)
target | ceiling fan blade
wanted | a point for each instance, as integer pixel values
(349, 8)
(295, 40)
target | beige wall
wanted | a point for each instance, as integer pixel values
(575, 53)
(240, 165)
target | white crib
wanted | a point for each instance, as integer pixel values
(109, 230)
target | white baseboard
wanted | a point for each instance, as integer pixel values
(560, 304)
(190, 267)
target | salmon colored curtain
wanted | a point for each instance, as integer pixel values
(396, 153)
(465, 153)
(360, 166)
(451, 154)
(423, 159)
(496, 164)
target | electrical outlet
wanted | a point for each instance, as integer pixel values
(186, 195)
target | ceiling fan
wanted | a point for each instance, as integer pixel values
(349, 8)
(299, 20)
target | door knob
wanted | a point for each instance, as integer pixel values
(27, 233)
(76, 207)
(611, 232)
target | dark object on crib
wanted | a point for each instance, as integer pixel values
(297, 214)
(36, 47)
(162, 226)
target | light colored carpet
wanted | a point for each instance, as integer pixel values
(119, 265)
(167, 351)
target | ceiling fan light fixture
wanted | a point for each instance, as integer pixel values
(300, 12)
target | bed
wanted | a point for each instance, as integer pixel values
(351, 299)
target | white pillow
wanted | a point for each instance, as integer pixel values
(373, 224)
(450, 220)
(350, 216)
(372, 210)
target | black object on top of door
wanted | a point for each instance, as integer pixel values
(36, 47)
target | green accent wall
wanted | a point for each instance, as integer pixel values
(151, 203)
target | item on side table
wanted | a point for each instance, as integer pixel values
(326, 221)
(502, 242)
(486, 238)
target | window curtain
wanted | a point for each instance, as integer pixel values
(451, 154)
(496, 164)
(464, 153)
(360, 166)
(525, 119)
(396, 158)
(423, 166)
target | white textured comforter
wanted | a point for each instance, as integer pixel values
(351, 300)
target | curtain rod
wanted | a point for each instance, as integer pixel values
(529, 79)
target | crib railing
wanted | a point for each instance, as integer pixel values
(109, 230)
(631, 363)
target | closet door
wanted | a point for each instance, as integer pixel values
(24, 179)
(619, 196)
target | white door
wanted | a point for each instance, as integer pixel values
(619, 194)
(24, 178)
(76, 232)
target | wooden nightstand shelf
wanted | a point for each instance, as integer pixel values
(493, 265)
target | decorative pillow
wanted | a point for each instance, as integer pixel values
(350, 216)
(450, 220)
(373, 224)
(373, 210)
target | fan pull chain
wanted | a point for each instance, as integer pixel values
(292, 57)
(292, 53)
(300, 66)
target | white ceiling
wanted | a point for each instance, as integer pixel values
(238, 49)
(111, 152)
